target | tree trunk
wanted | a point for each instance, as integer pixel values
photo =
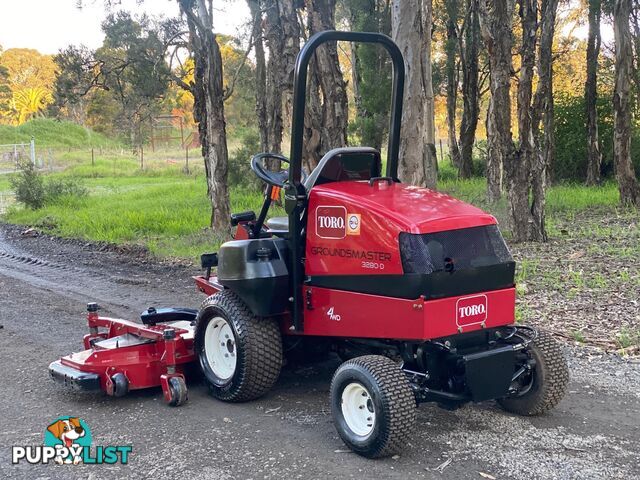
(470, 94)
(208, 108)
(355, 79)
(333, 132)
(495, 26)
(451, 50)
(627, 182)
(411, 30)
(517, 168)
(594, 156)
(261, 74)
(283, 40)
(543, 110)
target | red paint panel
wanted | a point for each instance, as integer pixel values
(353, 227)
(414, 209)
(363, 242)
(346, 314)
(443, 318)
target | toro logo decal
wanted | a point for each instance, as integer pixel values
(471, 310)
(335, 223)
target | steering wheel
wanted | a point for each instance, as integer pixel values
(275, 179)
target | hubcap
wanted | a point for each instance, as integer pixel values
(358, 410)
(220, 348)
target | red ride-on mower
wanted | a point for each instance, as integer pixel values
(413, 288)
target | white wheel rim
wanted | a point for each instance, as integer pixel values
(220, 348)
(358, 410)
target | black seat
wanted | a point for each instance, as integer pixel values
(337, 165)
(343, 164)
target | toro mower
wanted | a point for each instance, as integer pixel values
(413, 289)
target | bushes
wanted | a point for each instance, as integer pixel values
(571, 138)
(240, 173)
(33, 191)
(28, 186)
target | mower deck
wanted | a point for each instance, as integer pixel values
(121, 355)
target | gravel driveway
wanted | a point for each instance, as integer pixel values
(45, 284)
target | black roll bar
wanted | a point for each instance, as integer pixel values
(295, 193)
(300, 93)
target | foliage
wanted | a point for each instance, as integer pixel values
(28, 102)
(571, 138)
(55, 188)
(5, 93)
(373, 69)
(28, 186)
(238, 73)
(33, 191)
(127, 77)
(26, 84)
(240, 173)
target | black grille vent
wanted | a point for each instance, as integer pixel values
(453, 250)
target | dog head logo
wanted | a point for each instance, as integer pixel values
(69, 435)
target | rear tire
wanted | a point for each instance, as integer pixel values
(373, 406)
(550, 379)
(247, 363)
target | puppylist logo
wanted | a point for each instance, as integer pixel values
(68, 441)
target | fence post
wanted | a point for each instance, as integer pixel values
(141, 157)
(186, 151)
(32, 151)
(93, 163)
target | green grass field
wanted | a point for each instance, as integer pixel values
(54, 133)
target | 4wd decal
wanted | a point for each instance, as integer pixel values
(471, 310)
(333, 222)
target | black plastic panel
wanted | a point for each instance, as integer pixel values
(413, 285)
(257, 271)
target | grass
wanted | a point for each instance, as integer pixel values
(628, 337)
(50, 133)
(167, 214)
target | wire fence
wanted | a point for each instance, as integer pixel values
(11, 155)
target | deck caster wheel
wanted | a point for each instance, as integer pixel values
(373, 406)
(177, 391)
(240, 353)
(120, 385)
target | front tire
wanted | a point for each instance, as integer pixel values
(240, 354)
(373, 406)
(548, 382)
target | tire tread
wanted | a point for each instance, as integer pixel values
(397, 398)
(263, 347)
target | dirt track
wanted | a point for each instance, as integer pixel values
(44, 285)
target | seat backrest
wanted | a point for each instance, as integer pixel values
(343, 164)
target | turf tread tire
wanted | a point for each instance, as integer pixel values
(550, 382)
(258, 343)
(397, 399)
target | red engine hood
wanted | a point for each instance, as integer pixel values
(419, 210)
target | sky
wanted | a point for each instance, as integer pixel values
(49, 25)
